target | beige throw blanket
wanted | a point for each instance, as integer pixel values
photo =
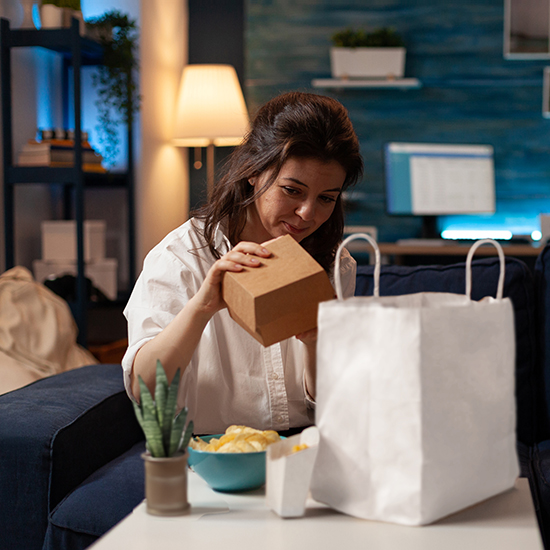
(37, 332)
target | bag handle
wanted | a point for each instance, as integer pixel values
(337, 278)
(475, 246)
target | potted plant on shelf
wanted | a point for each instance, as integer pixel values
(167, 436)
(116, 78)
(360, 54)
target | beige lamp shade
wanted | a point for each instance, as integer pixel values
(211, 108)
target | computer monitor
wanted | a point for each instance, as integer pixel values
(429, 180)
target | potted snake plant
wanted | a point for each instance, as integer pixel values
(167, 435)
(360, 54)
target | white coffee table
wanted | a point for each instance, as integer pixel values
(235, 521)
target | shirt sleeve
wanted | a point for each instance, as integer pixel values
(163, 288)
(348, 273)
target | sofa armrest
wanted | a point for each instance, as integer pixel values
(54, 433)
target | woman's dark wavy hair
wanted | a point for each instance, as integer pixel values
(294, 124)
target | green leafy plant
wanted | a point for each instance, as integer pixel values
(71, 4)
(379, 38)
(116, 78)
(165, 432)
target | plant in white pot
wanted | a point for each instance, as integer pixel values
(360, 54)
(167, 436)
(58, 13)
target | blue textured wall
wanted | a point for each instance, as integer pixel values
(470, 93)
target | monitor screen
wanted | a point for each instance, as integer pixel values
(437, 179)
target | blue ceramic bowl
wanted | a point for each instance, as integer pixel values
(228, 471)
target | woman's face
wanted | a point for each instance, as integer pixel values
(300, 200)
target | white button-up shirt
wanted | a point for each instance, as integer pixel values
(231, 378)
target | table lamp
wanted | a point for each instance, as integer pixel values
(211, 111)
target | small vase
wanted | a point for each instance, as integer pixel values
(51, 17)
(166, 485)
(27, 22)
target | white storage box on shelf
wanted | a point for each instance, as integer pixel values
(102, 273)
(59, 240)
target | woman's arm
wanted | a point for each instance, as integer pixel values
(175, 344)
(309, 339)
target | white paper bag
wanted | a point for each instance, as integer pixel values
(415, 401)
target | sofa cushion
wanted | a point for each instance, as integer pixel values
(542, 288)
(53, 434)
(99, 503)
(539, 482)
(518, 286)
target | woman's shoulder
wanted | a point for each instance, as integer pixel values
(179, 239)
(185, 241)
(346, 261)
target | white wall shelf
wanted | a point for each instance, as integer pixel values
(403, 83)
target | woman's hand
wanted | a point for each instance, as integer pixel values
(309, 338)
(245, 254)
(175, 345)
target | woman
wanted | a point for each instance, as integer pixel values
(286, 178)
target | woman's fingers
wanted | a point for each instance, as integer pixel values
(243, 254)
(251, 248)
(309, 337)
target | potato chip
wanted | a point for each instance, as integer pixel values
(300, 447)
(236, 447)
(214, 444)
(271, 435)
(258, 441)
(237, 439)
(226, 438)
(198, 444)
(245, 446)
(240, 429)
(229, 448)
(234, 428)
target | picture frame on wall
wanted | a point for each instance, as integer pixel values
(527, 29)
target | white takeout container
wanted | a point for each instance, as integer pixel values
(288, 474)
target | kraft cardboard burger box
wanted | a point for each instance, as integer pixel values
(279, 298)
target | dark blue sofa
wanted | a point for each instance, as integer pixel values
(70, 465)
(69, 459)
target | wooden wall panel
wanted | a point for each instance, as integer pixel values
(470, 93)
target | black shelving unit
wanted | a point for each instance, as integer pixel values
(76, 52)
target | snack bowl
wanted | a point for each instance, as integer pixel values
(228, 471)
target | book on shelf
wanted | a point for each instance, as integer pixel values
(47, 144)
(58, 152)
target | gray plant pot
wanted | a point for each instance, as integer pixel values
(166, 485)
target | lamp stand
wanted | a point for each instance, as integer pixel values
(210, 169)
